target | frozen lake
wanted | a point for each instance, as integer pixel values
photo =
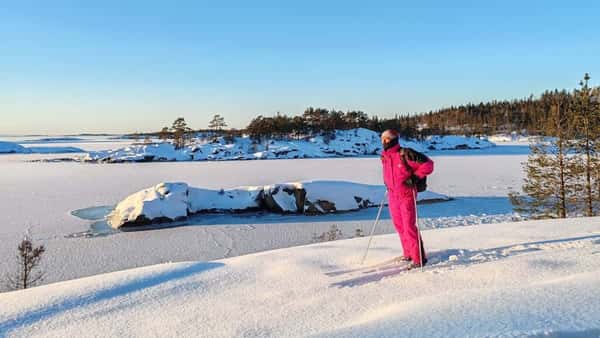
(40, 196)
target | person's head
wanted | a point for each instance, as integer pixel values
(389, 138)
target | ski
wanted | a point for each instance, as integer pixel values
(393, 262)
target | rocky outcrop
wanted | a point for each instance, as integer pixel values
(169, 202)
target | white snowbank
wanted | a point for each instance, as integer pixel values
(176, 201)
(346, 143)
(536, 278)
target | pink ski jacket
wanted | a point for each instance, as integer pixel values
(395, 172)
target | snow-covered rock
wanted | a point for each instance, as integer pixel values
(232, 200)
(284, 198)
(344, 143)
(331, 196)
(15, 148)
(12, 148)
(163, 202)
(453, 142)
(167, 202)
(321, 197)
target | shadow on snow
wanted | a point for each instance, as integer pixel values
(106, 294)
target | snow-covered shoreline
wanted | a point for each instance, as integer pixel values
(345, 143)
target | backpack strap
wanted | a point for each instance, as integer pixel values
(403, 152)
(414, 155)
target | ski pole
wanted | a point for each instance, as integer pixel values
(373, 229)
(418, 230)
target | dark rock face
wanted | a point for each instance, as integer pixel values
(142, 220)
(274, 196)
(319, 207)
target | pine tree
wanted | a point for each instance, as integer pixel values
(164, 134)
(181, 133)
(549, 185)
(28, 260)
(587, 118)
(217, 123)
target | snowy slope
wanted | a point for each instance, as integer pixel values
(346, 143)
(514, 279)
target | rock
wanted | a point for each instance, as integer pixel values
(167, 202)
(284, 198)
(324, 197)
(161, 203)
(233, 200)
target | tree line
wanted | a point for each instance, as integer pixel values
(563, 169)
(320, 121)
(529, 115)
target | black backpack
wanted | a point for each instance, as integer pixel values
(415, 156)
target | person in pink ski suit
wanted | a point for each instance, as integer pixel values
(400, 183)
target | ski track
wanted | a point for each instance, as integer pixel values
(456, 258)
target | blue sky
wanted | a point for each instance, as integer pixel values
(124, 66)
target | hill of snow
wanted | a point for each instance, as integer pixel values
(537, 278)
(345, 143)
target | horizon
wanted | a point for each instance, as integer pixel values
(168, 123)
(123, 68)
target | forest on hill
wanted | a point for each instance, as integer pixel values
(526, 116)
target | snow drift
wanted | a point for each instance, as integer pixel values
(345, 143)
(168, 202)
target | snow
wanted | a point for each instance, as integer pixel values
(11, 148)
(512, 138)
(531, 278)
(346, 143)
(177, 201)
